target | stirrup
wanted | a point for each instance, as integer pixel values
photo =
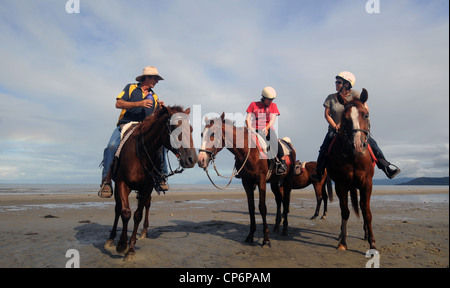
(391, 173)
(105, 190)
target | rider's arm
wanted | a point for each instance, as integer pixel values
(248, 121)
(122, 104)
(329, 119)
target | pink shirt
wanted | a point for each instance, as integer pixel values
(261, 114)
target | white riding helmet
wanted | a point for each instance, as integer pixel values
(269, 93)
(347, 76)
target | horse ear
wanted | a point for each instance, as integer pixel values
(364, 96)
(187, 111)
(222, 116)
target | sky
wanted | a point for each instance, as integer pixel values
(61, 73)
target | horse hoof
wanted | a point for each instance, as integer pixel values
(129, 256)
(276, 229)
(249, 239)
(109, 245)
(266, 244)
(122, 249)
(143, 236)
(342, 247)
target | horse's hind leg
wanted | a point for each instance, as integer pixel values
(325, 201)
(263, 211)
(278, 198)
(318, 202)
(286, 203)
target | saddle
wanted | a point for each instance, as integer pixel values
(263, 147)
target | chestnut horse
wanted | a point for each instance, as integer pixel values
(349, 164)
(254, 170)
(137, 167)
(304, 179)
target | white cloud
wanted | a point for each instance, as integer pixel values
(61, 72)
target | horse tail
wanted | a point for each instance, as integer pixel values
(329, 186)
(354, 199)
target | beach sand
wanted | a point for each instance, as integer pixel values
(208, 228)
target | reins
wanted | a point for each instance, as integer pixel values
(212, 155)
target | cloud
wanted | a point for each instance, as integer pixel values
(61, 73)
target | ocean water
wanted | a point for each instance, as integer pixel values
(54, 189)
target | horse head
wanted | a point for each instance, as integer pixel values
(213, 140)
(178, 138)
(355, 125)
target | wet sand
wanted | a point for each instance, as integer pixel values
(207, 230)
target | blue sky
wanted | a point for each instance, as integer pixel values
(61, 73)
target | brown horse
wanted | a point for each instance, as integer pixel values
(254, 170)
(349, 164)
(137, 167)
(304, 179)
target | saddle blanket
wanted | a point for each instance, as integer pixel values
(262, 145)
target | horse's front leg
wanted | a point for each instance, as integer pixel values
(367, 215)
(278, 198)
(342, 193)
(263, 212)
(118, 207)
(146, 222)
(249, 190)
(125, 213)
(143, 200)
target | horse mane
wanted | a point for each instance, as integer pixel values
(158, 115)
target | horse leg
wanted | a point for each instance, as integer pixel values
(137, 220)
(286, 202)
(249, 190)
(278, 198)
(367, 215)
(345, 214)
(118, 207)
(125, 213)
(318, 201)
(325, 201)
(147, 211)
(263, 211)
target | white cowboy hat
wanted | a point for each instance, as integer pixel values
(149, 71)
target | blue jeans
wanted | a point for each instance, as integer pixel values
(110, 151)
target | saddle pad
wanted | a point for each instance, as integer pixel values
(125, 128)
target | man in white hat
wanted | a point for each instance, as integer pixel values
(137, 101)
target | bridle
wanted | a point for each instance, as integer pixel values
(155, 173)
(212, 157)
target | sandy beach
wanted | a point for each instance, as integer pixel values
(208, 228)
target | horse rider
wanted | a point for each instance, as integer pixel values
(261, 116)
(137, 102)
(345, 81)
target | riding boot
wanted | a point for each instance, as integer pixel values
(106, 190)
(385, 166)
(281, 167)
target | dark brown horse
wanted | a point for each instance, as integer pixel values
(304, 179)
(254, 170)
(137, 167)
(350, 165)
